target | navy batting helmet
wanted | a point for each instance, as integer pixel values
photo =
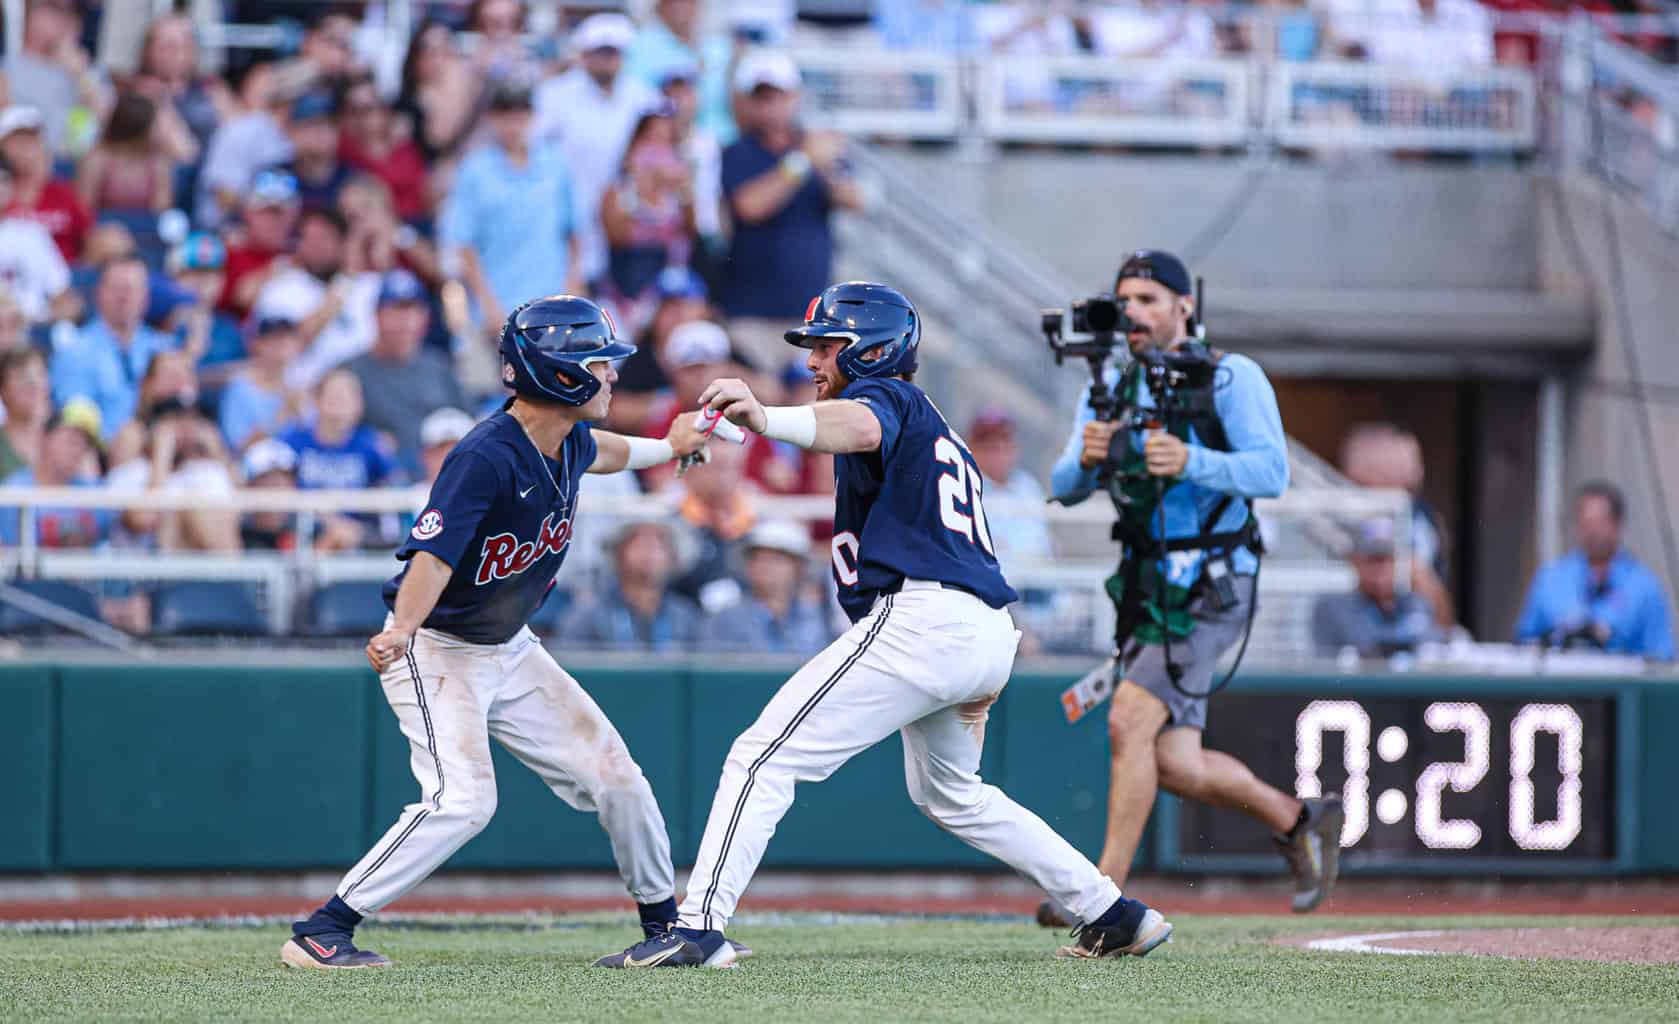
(547, 345)
(874, 318)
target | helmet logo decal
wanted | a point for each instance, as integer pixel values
(507, 373)
(611, 324)
(810, 310)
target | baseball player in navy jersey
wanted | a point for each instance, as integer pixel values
(930, 648)
(456, 659)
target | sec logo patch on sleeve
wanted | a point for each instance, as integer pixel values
(429, 525)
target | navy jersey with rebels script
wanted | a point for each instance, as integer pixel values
(912, 509)
(500, 515)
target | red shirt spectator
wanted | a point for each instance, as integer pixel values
(269, 215)
(36, 195)
(368, 142)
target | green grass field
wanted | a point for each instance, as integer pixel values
(814, 969)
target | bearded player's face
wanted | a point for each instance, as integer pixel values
(823, 365)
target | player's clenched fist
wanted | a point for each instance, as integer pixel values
(385, 648)
(685, 436)
(735, 400)
(1098, 434)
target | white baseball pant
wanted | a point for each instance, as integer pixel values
(926, 662)
(451, 697)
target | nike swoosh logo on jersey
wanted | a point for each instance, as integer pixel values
(527, 490)
(655, 960)
(320, 950)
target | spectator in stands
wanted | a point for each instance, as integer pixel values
(196, 265)
(648, 216)
(1375, 619)
(502, 50)
(368, 141)
(168, 73)
(681, 295)
(695, 354)
(439, 95)
(700, 150)
(1151, 30)
(773, 618)
(313, 131)
(270, 465)
(270, 212)
(1599, 595)
(69, 457)
(509, 222)
(128, 171)
(404, 381)
(103, 360)
(330, 298)
(589, 113)
(26, 401)
(439, 433)
(182, 453)
(1388, 456)
(335, 449)
(637, 611)
(378, 241)
(717, 503)
(36, 194)
(1422, 33)
(53, 73)
(326, 58)
(257, 402)
(1016, 539)
(245, 144)
(31, 264)
(781, 185)
(670, 39)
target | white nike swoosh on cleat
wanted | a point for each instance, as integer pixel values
(653, 961)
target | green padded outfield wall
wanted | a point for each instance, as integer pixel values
(154, 766)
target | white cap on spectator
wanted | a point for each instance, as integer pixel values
(18, 119)
(789, 538)
(767, 67)
(603, 32)
(444, 426)
(268, 455)
(696, 342)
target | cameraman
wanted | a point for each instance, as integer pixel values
(1198, 485)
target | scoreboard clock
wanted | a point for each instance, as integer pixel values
(1423, 778)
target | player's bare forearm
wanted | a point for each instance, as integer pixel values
(838, 426)
(615, 453)
(421, 586)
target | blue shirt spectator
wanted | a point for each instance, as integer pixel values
(781, 185)
(336, 451)
(67, 457)
(257, 401)
(772, 618)
(508, 219)
(669, 40)
(1599, 594)
(105, 360)
(639, 612)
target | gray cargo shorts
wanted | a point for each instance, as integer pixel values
(1197, 655)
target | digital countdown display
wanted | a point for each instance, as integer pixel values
(1516, 779)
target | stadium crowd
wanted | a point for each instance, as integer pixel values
(289, 274)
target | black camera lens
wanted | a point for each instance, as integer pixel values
(1101, 313)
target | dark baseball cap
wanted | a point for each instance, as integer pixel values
(399, 286)
(1156, 265)
(266, 325)
(311, 106)
(679, 282)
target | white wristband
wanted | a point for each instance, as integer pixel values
(795, 424)
(646, 452)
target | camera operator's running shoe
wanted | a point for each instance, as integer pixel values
(332, 952)
(677, 947)
(1313, 851)
(1129, 928)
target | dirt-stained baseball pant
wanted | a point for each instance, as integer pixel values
(926, 662)
(451, 697)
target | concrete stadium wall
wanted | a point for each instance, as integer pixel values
(195, 766)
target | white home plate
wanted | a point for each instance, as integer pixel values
(1363, 944)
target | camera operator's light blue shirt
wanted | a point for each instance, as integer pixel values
(1255, 467)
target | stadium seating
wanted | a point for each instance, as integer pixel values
(205, 609)
(15, 621)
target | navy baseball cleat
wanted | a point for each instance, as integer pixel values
(330, 952)
(678, 947)
(1129, 928)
